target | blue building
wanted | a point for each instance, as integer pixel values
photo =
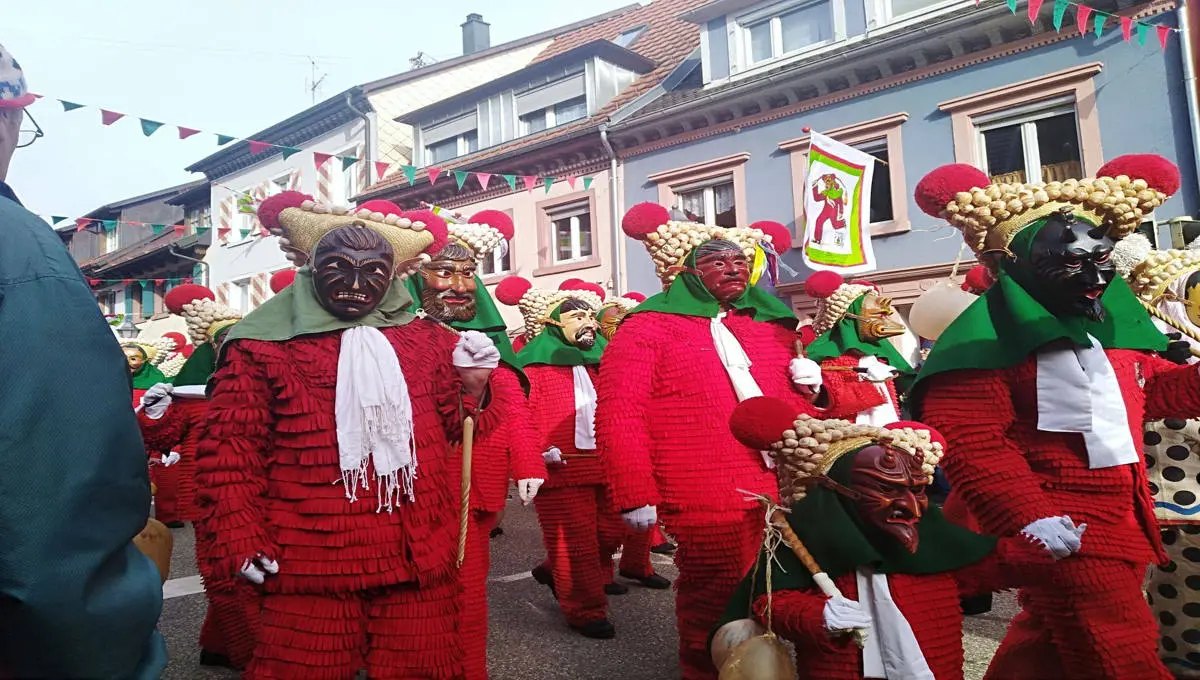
(916, 83)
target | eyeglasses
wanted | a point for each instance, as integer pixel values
(26, 136)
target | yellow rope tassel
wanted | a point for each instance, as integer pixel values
(464, 513)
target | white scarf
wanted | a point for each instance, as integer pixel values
(374, 418)
(737, 366)
(891, 651)
(883, 414)
(585, 409)
(1064, 377)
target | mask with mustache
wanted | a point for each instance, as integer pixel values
(352, 270)
(448, 291)
(723, 269)
(1071, 264)
(577, 320)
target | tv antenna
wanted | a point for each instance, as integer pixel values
(420, 60)
(313, 85)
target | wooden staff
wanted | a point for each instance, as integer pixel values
(464, 511)
(826, 584)
(801, 354)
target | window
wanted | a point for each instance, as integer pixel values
(710, 202)
(499, 262)
(197, 219)
(902, 8)
(108, 302)
(344, 182)
(882, 209)
(559, 114)
(1031, 146)
(778, 32)
(571, 231)
(110, 240)
(629, 37)
(449, 149)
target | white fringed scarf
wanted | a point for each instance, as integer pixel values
(374, 418)
(891, 651)
(585, 409)
(737, 366)
(883, 414)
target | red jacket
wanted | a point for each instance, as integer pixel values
(552, 401)
(1009, 473)
(178, 430)
(854, 395)
(511, 445)
(270, 477)
(665, 401)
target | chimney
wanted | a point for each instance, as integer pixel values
(476, 34)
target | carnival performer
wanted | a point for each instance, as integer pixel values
(1168, 283)
(332, 379)
(580, 527)
(883, 562)
(450, 292)
(852, 324)
(1043, 385)
(143, 373)
(669, 381)
(173, 420)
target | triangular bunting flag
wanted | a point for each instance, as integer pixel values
(157, 228)
(1142, 31)
(1126, 28)
(81, 223)
(1082, 16)
(571, 182)
(202, 228)
(109, 225)
(321, 158)
(1163, 32)
(185, 132)
(1035, 6)
(145, 283)
(1099, 23)
(530, 182)
(484, 178)
(347, 161)
(179, 229)
(512, 181)
(70, 106)
(257, 147)
(127, 282)
(289, 151)
(110, 117)
(223, 232)
(460, 178)
(159, 282)
(222, 140)
(410, 172)
(93, 282)
(1012, 6)
(381, 168)
(55, 219)
(549, 182)
(433, 174)
(587, 183)
(1060, 10)
(149, 127)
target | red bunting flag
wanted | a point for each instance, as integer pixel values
(484, 178)
(179, 230)
(1163, 32)
(530, 182)
(110, 117)
(93, 282)
(159, 282)
(433, 174)
(321, 158)
(185, 132)
(1082, 15)
(258, 147)
(1035, 6)
(571, 181)
(127, 282)
(381, 168)
(1126, 28)
(81, 223)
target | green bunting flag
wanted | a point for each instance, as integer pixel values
(70, 106)
(288, 151)
(1060, 10)
(55, 219)
(410, 172)
(512, 181)
(1098, 22)
(109, 225)
(1012, 6)
(1142, 31)
(149, 127)
(157, 228)
(549, 182)
(222, 140)
(460, 178)
(347, 161)
(587, 183)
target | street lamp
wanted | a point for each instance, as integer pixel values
(127, 330)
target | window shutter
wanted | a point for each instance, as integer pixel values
(147, 299)
(129, 295)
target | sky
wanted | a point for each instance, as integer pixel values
(235, 67)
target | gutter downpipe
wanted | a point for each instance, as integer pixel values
(614, 209)
(368, 148)
(1189, 79)
(202, 263)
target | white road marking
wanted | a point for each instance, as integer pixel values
(182, 587)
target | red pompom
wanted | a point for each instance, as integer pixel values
(1159, 173)
(643, 219)
(434, 224)
(512, 289)
(935, 191)
(496, 219)
(282, 279)
(823, 284)
(178, 338)
(636, 297)
(179, 296)
(978, 279)
(781, 238)
(759, 422)
(268, 210)
(933, 434)
(580, 284)
(187, 350)
(380, 206)
(807, 334)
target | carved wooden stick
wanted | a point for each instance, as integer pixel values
(464, 512)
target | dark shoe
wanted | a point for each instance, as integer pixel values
(652, 581)
(498, 531)
(663, 549)
(615, 589)
(208, 658)
(174, 525)
(973, 606)
(599, 630)
(543, 576)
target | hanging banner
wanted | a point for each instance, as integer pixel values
(837, 196)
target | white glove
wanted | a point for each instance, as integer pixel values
(1059, 535)
(527, 489)
(641, 519)
(877, 371)
(806, 372)
(258, 568)
(475, 350)
(843, 615)
(170, 459)
(156, 400)
(552, 456)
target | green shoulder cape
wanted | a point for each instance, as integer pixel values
(843, 337)
(148, 376)
(198, 368)
(551, 347)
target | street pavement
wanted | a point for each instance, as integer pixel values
(528, 639)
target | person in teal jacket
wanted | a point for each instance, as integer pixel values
(77, 598)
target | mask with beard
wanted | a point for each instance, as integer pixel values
(1071, 264)
(577, 320)
(723, 269)
(135, 357)
(608, 319)
(352, 270)
(876, 320)
(448, 293)
(887, 489)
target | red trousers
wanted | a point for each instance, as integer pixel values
(715, 552)
(231, 624)
(397, 632)
(1091, 623)
(581, 531)
(166, 498)
(473, 629)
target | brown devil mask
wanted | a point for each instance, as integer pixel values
(448, 290)
(876, 320)
(352, 270)
(887, 490)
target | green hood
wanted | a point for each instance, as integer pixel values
(843, 337)
(198, 368)
(148, 376)
(551, 347)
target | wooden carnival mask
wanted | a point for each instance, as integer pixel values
(449, 287)
(723, 269)
(135, 357)
(577, 320)
(887, 489)
(608, 319)
(876, 321)
(352, 271)
(1071, 262)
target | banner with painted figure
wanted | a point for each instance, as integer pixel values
(837, 197)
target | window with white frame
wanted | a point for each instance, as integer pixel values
(449, 149)
(499, 262)
(709, 202)
(571, 231)
(882, 209)
(108, 302)
(343, 184)
(198, 218)
(239, 296)
(111, 240)
(785, 29)
(551, 116)
(1036, 143)
(899, 9)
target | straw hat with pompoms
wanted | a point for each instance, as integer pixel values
(537, 304)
